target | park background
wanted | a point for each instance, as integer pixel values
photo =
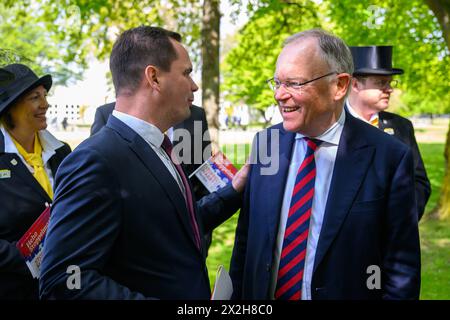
(234, 45)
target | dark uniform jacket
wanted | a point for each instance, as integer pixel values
(403, 130)
(22, 200)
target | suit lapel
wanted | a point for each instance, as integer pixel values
(158, 170)
(19, 169)
(13, 162)
(275, 184)
(353, 158)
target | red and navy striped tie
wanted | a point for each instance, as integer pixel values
(292, 261)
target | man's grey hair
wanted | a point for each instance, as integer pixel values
(333, 49)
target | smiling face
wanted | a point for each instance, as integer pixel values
(314, 107)
(28, 113)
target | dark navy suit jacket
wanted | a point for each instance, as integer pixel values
(370, 219)
(121, 218)
(22, 200)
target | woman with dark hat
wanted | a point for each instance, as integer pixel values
(29, 158)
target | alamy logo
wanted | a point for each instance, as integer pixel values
(374, 280)
(74, 279)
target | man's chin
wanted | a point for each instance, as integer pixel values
(183, 116)
(383, 105)
(291, 127)
(188, 113)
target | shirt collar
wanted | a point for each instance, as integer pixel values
(10, 147)
(150, 133)
(333, 134)
(356, 115)
(48, 142)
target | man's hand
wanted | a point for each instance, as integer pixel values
(240, 178)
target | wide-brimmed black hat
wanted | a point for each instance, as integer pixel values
(373, 60)
(5, 77)
(24, 80)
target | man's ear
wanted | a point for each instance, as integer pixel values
(344, 80)
(355, 85)
(151, 77)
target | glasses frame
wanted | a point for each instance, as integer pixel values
(392, 84)
(274, 87)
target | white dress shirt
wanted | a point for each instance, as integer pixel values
(49, 145)
(154, 137)
(325, 157)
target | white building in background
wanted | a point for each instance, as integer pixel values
(78, 102)
(60, 112)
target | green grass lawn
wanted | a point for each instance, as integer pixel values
(435, 235)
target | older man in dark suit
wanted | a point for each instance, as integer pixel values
(338, 219)
(124, 214)
(368, 100)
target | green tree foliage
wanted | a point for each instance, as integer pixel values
(66, 34)
(92, 26)
(408, 25)
(251, 62)
(24, 39)
(419, 46)
(89, 28)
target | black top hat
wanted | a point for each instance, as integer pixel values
(375, 60)
(24, 80)
(5, 77)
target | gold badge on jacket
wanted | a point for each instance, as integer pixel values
(5, 173)
(389, 130)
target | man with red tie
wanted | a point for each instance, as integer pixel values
(337, 219)
(370, 91)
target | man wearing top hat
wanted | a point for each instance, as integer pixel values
(371, 87)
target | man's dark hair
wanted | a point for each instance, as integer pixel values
(137, 48)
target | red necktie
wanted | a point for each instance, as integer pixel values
(167, 146)
(292, 261)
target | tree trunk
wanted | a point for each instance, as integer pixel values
(441, 9)
(444, 202)
(210, 67)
